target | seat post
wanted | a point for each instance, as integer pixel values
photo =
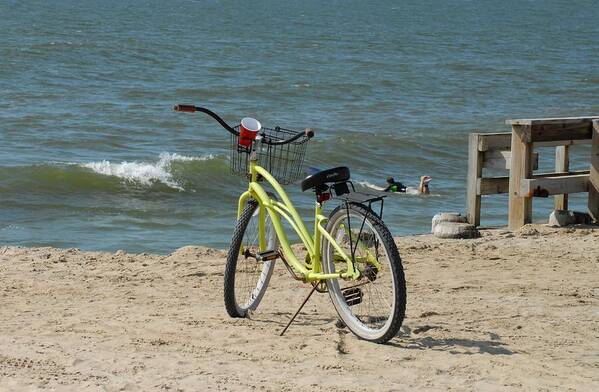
(322, 193)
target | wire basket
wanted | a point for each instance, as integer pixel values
(284, 162)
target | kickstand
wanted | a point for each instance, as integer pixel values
(299, 309)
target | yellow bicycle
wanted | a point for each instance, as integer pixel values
(350, 254)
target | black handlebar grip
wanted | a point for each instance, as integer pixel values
(185, 108)
(309, 133)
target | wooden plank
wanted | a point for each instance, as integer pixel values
(520, 208)
(593, 202)
(494, 141)
(493, 185)
(503, 160)
(555, 134)
(475, 169)
(554, 185)
(557, 174)
(575, 131)
(500, 185)
(561, 143)
(554, 120)
(554, 129)
(562, 165)
(503, 141)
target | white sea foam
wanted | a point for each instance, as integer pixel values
(410, 191)
(145, 173)
(371, 186)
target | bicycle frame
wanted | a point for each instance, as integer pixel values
(312, 271)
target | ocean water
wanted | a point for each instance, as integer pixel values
(92, 155)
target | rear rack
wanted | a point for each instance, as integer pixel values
(361, 197)
(342, 192)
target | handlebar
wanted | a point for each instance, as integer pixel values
(309, 133)
(192, 109)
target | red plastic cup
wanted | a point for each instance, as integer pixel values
(248, 130)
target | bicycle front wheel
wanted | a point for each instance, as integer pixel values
(246, 278)
(372, 307)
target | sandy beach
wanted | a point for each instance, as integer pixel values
(508, 311)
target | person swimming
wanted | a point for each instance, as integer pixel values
(393, 186)
(423, 189)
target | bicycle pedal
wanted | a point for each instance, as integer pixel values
(352, 295)
(268, 255)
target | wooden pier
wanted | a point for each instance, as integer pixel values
(514, 151)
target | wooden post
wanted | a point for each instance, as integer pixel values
(475, 170)
(562, 165)
(594, 174)
(520, 208)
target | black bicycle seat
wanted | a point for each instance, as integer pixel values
(321, 177)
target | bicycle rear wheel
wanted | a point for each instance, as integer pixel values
(372, 307)
(246, 278)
